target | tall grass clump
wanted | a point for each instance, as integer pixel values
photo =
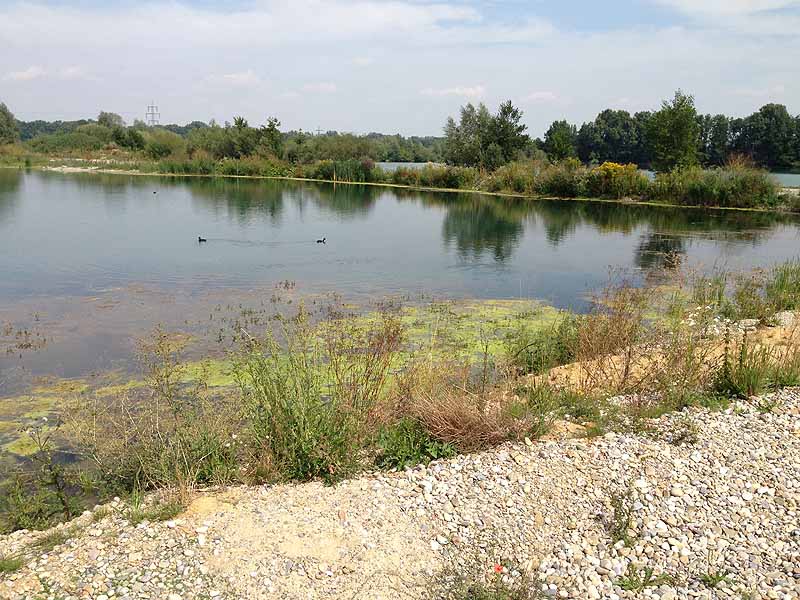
(438, 176)
(539, 350)
(782, 288)
(311, 401)
(736, 185)
(565, 179)
(516, 177)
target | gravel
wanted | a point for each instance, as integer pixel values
(726, 505)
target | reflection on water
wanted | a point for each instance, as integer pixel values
(76, 248)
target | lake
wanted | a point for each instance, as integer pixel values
(95, 260)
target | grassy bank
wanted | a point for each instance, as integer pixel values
(325, 400)
(736, 185)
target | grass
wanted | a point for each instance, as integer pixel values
(53, 538)
(637, 579)
(619, 527)
(712, 579)
(11, 564)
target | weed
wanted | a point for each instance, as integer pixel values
(473, 581)
(622, 517)
(308, 404)
(638, 579)
(100, 513)
(10, 564)
(713, 578)
(406, 443)
(539, 351)
(53, 538)
(747, 374)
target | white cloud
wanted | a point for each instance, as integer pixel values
(363, 61)
(723, 8)
(73, 73)
(542, 96)
(754, 17)
(246, 78)
(322, 87)
(29, 74)
(771, 92)
(475, 91)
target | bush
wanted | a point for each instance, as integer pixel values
(161, 143)
(173, 437)
(539, 351)
(613, 180)
(735, 185)
(406, 443)
(565, 179)
(357, 171)
(309, 405)
(516, 177)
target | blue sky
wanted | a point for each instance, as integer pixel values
(393, 65)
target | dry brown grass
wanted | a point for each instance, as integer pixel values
(443, 399)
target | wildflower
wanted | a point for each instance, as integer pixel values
(498, 569)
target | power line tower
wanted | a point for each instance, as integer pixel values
(152, 115)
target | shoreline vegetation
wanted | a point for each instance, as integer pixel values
(699, 160)
(326, 396)
(733, 187)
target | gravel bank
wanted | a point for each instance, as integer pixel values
(725, 500)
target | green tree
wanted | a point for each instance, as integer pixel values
(768, 136)
(560, 140)
(9, 131)
(714, 139)
(110, 120)
(612, 136)
(481, 139)
(674, 134)
(508, 132)
(272, 138)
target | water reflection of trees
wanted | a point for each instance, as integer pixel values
(475, 228)
(10, 181)
(481, 224)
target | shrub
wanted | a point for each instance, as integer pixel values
(517, 177)
(443, 399)
(613, 180)
(309, 404)
(11, 564)
(539, 351)
(406, 443)
(174, 436)
(735, 185)
(565, 179)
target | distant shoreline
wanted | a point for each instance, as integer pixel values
(108, 171)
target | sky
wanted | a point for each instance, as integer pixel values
(394, 66)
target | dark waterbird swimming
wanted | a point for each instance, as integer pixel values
(200, 240)
(322, 241)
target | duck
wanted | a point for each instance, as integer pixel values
(322, 241)
(200, 240)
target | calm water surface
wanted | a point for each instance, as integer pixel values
(100, 256)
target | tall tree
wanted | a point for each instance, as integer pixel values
(560, 140)
(272, 138)
(768, 136)
(674, 134)
(484, 140)
(612, 136)
(715, 139)
(110, 120)
(9, 132)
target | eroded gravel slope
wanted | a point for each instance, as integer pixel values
(727, 503)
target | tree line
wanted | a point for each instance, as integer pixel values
(673, 136)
